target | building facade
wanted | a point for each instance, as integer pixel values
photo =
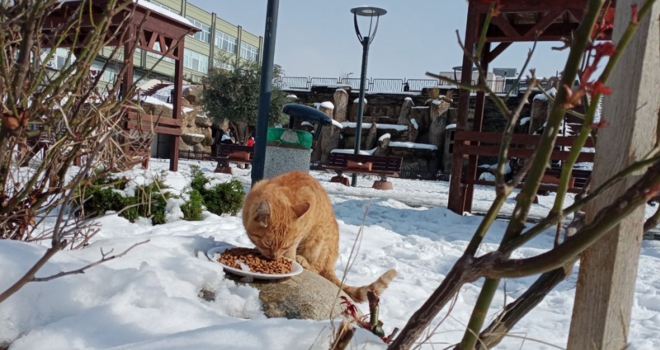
(218, 44)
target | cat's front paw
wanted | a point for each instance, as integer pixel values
(302, 261)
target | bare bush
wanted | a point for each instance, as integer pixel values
(60, 129)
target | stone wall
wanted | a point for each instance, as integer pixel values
(409, 118)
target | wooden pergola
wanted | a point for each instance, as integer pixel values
(151, 29)
(517, 21)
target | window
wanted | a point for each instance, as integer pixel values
(205, 34)
(225, 41)
(166, 7)
(195, 61)
(223, 65)
(249, 52)
(156, 55)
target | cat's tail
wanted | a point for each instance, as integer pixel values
(359, 294)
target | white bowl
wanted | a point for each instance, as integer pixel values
(296, 268)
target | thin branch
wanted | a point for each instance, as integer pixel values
(104, 258)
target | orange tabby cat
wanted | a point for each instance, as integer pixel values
(291, 215)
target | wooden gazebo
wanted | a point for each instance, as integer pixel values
(151, 29)
(517, 21)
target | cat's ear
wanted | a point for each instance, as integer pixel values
(263, 213)
(300, 209)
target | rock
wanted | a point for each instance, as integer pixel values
(305, 296)
(383, 147)
(341, 105)
(372, 137)
(438, 116)
(329, 139)
(192, 139)
(185, 103)
(192, 94)
(157, 110)
(203, 122)
(404, 114)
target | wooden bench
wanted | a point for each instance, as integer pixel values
(522, 147)
(359, 164)
(231, 153)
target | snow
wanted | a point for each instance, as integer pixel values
(524, 121)
(450, 127)
(378, 126)
(385, 136)
(487, 177)
(156, 101)
(357, 100)
(340, 90)
(507, 168)
(153, 8)
(552, 92)
(437, 102)
(306, 124)
(413, 145)
(327, 105)
(414, 123)
(408, 99)
(337, 124)
(194, 135)
(148, 299)
(317, 105)
(291, 96)
(352, 151)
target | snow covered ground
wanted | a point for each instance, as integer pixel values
(149, 300)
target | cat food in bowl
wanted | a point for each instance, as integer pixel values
(250, 263)
(252, 260)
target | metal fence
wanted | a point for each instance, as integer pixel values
(378, 84)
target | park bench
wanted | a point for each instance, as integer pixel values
(232, 153)
(522, 147)
(363, 164)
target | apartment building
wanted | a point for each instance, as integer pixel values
(217, 38)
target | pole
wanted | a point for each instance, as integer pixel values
(363, 78)
(265, 91)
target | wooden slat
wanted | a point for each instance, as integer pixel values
(519, 139)
(148, 118)
(157, 129)
(493, 151)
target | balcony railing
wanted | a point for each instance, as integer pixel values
(381, 85)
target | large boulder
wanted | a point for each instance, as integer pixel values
(192, 139)
(305, 296)
(203, 121)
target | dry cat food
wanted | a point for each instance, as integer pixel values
(244, 258)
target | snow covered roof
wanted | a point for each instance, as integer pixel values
(154, 9)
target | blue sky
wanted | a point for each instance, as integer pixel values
(316, 37)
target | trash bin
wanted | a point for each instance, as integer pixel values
(288, 149)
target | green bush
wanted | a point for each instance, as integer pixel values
(225, 198)
(192, 209)
(221, 198)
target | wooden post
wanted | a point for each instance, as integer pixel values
(456, 201)
(479, 108)
(608, 270)
(176, 103)
(127, 81)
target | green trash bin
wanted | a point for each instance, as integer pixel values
(288, 149)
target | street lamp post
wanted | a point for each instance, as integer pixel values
(371, 12)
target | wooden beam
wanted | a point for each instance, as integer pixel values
(456, 200)
(479, 108)
(498, 50)
(506, 26)
(546, 21)
(608, 269)
(177, 102)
